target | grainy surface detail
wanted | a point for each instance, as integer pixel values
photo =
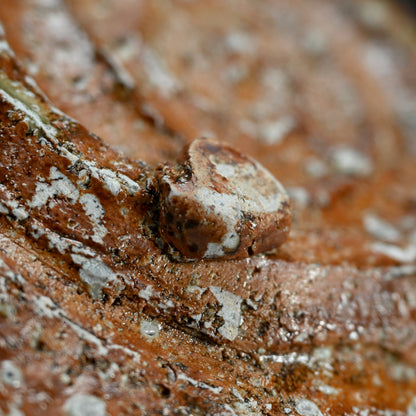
(102, 311)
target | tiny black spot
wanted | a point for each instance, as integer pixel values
(163, 391)
(40, 345)
(191, 224)
(184, 174)
(249, 216)
(178, 226)
(212, 148)
(117, 301)
(263, 328)
(193, 248)
(169, 217)
(285, 204)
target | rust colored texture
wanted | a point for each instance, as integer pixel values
(125, 289)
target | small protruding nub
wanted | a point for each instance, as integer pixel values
(218, 203)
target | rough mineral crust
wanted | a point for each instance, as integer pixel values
(97, 317)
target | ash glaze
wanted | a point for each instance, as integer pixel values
(219, 204)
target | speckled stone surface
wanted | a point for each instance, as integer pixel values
(98, 316)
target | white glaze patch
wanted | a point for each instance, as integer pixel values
(81, 404)
(411, 409)
(328, 390)
(349, 161)
(200, 384)
(63, 187)
(244, 197)
(240, 42)
(230, 312)
(60, 186)
(20, 214)
(95, 212)
(158, 74)
(244, 194)
(299, 196)
(11, 374)
(225, 169)
(274, 132)
(94, 272)
(10, 205)
(403, 255)
(3, 209)
(149, 328)
(58, 242)
(306, 407)
(288, 359)
(147, 292)
(113, 181)
(379, 228)
(4, 47)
